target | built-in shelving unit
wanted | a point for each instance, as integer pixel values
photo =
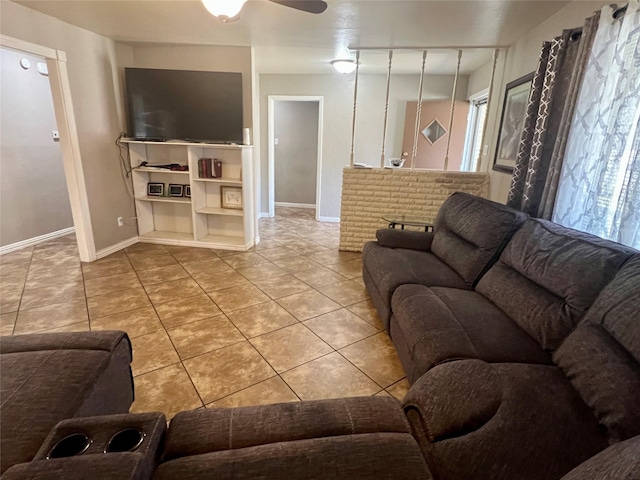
(227, 181)
(199, 220)
(159, 170)
(164, 199)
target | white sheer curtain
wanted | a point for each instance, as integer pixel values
(599, 189)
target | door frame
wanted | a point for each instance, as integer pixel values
(271, 145)
(69, 143)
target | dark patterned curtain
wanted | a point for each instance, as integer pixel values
(554, 91)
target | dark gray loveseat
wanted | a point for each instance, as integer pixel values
(531, 369)
(469, 235)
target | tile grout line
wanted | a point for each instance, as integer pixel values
(24, 286)
(181, 362)
(263, 357)
(294, 245)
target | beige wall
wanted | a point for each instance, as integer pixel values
(96, 76)
(371, 104)
(522, 58)
(32, 178)
(337, 91)
(97, 102)
(430, 155)
(296, 155)
(96, 88)
(480, 79)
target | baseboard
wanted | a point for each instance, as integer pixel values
(329, 219)
(295, 205)
(263, 215)
(36, 240)
(116, 248)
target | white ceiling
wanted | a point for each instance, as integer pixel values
(290, 41)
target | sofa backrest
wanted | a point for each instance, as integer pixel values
(548, 276)
(470, 233)
(601, 357)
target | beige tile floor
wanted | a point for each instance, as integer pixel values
(288, 321)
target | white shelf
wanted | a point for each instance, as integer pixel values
(160, 170)
(188, 144)
(223, 240)
(165, 219)
(160, 235)
(220, 211)
(164, 199)
(229, 181)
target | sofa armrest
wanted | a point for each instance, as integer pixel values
(620, 460)
(448, 407)
(392, 238)
(104, 340)
(467, 415)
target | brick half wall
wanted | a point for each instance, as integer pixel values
(370, 193)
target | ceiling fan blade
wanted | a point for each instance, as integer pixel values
(309, 6)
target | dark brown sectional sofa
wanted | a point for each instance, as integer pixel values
(532, 366)
(48, 378)
(521, 340)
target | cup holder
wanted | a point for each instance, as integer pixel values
(71, 445)
(127, 440)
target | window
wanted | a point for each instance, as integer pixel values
(599, 187)
(473, 141)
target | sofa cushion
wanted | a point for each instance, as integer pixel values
(602, 356)
(372, 455)
(50, 377)
(470, 232)
(548, 276)
(434, 325)
(476, 420)
(385, 269)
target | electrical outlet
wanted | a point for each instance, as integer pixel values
(120, 222)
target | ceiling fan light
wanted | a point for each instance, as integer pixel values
(224, 9)
(344, 66)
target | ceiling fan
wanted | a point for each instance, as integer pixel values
(228, 10)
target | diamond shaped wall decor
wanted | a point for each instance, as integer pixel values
(433, 132)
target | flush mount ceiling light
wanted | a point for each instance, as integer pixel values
(344, 66)
(225, 10)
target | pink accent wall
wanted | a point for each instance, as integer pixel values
(432, 155)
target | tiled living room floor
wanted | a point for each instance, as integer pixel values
(287, 321)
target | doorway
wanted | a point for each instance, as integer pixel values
(32, 177)
(295, 152)
(56, 67)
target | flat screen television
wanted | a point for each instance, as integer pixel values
(184, 105)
